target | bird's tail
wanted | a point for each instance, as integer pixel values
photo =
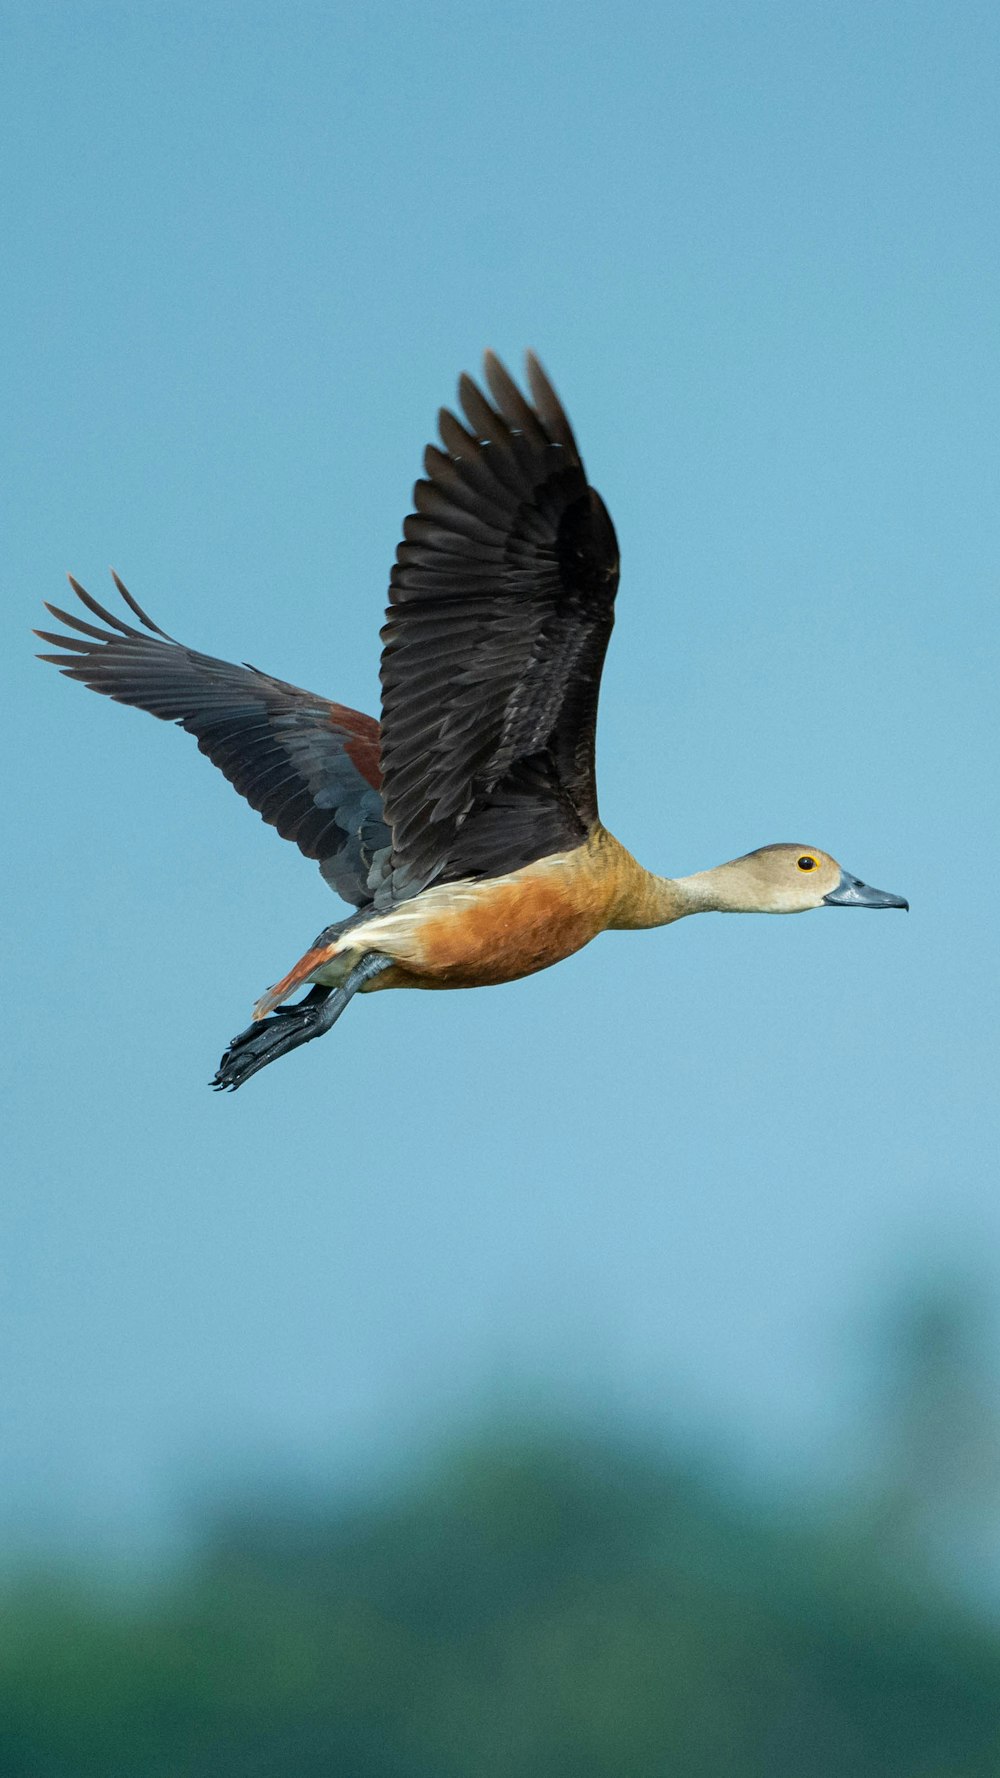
(302, 971)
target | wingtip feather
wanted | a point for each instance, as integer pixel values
(548, 406)
(136, 608)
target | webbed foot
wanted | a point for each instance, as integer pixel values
(288, 1027)
(267, 1039)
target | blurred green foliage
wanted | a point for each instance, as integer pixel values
(561, 1608)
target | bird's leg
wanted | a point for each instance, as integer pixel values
(284, 1030)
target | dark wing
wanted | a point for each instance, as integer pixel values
(310, 767)
(501, 606)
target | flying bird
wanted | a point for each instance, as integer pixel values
(463, 826)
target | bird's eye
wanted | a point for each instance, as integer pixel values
(807, 863)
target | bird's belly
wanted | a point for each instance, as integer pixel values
(475, 934)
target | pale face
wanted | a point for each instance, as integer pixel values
(790, 879)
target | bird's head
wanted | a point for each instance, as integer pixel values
(789, 879)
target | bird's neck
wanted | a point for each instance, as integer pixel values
(656, 901)
(643, 899)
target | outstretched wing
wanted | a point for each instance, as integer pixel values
(501, 606)
(310, 767)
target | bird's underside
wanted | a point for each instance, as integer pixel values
(463, 826)
(471, 934)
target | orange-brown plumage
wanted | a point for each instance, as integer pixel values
(476, 934)
(506, 929)
(470, 935)
(479, 933)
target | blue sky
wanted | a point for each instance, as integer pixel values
(247, 253)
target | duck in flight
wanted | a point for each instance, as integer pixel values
(463, 827)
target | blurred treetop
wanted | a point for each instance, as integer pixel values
(559, 1608)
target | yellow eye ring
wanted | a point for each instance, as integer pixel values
(807, 862)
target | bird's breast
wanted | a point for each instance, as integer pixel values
(476, 933)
